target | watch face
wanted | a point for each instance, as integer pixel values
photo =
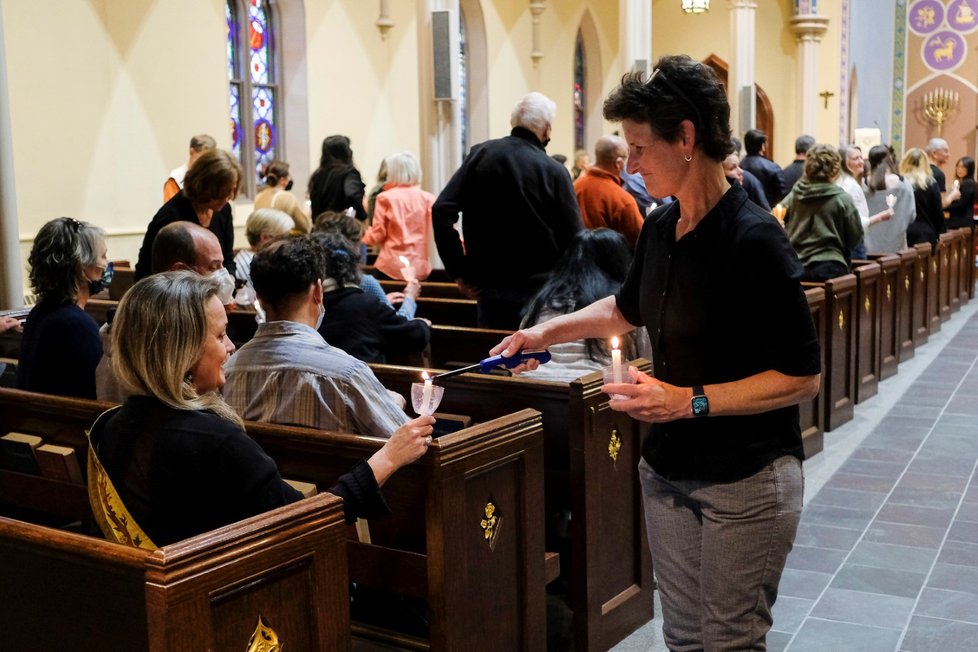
(700, 405)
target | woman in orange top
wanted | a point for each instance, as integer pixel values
(402, 219)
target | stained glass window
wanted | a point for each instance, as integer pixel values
(579, 96)
(254, 90)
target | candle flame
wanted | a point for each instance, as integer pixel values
(614, 342)
(424, 376)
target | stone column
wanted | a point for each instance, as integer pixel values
(11, 279)
(808, 29)
(740, 77)
(635, 27)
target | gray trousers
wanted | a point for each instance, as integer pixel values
(718, 550)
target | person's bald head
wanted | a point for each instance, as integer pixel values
(611, 153)
(185, 245)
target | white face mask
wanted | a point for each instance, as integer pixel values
(225, 283)
(322, 313)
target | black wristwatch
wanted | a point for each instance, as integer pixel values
(701, 405)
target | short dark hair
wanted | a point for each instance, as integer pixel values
(285, 269)
(173, 244)
(678, 89)
(342, 257)
(62, 249)
(803, 144)
(754, 139)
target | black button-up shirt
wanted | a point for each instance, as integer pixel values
(721, 304)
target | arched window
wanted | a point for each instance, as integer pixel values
(579, 93)
(252, 73)
(463, 84)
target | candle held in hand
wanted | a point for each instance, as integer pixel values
(779, 212)
(890, 200)
(616, 360)
(426, 394)
(407, 271)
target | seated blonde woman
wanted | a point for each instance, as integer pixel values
(263, 225)
(175, 457)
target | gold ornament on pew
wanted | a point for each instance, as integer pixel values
(906, 282)
(867, 304)
(614, 445)
(491, 524)
(939, 105)
(842, 320)
(264, 639)
(889, 292)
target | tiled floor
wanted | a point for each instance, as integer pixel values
(886, 556)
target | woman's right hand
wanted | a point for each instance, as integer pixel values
(408, 443)
(527, 339)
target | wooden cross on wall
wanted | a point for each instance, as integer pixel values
(825, 95)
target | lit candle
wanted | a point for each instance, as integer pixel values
(890, 200)
(615, 360)
(407, 270)
(957, 184)
(779, 212)
(426, 393)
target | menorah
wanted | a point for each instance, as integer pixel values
(939, 104)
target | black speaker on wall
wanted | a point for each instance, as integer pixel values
(444, 37)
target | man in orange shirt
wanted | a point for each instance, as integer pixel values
(600, 195)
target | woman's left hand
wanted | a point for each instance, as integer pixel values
(650, 400)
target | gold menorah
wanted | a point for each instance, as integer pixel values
(939, 104)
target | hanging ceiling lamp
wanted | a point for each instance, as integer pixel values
(696, 6)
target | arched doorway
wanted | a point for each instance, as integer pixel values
(765, 113)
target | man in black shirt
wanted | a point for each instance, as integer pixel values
(938, 152)
(796, 168)
(513, 199)
(767, 171)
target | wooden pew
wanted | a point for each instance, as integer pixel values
(812, 413)
(911, 305)
(433, 547)
(868, 327)
(122, 279)
(450, 312)
(432, 289)
(591, 460)
(840, 354)
(952, 290)
(62, 590)
(890, 303)
(927, 276)
(940, 266)
(969, 262)
(436, 275)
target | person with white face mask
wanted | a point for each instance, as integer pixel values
(603, 200)
(328, 389)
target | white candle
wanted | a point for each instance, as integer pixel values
(406, 270)
(957, 184)
(779, 212)
(890, 200)
(615, 360)
(426, 394)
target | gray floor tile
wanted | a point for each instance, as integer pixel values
(937, 635)
(849, 498)
(967, 512)
(924, 497)
(874, 467)
(885, 581)
(861, 482)
(824, 635)
(802, 584)
(917, 536)
(790, 612)
(846, 517)
(971, 496)
(825, 536)
(957, 552)
(963, 531)
(911, 514)
(881, 454)
(885, 555)
(952, 605)
(928, 461)
(857, 607)
(777, 641)
(933, 481)
(820, 560)
(954, 578)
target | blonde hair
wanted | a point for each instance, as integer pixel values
(916, 168)
(403, 168)
(158, 336)
(267, 220)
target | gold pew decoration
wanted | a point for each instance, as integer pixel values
(614, 445)
(264, 639)
(490, 524)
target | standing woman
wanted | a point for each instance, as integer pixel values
(61, 346)
(208, 189)
(277, 194)
(734, 351)
(402, 219)
(962, 209)
(887, 236)
(929, 222)
(336, 184)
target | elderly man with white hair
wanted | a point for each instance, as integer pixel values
(519, 214)
(938, 152)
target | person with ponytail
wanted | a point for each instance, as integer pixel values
(277, 194)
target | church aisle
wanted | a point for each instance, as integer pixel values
(886, 556)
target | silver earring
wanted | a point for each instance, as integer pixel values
(688, 157)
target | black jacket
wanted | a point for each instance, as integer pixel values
(368, 329)
(519, 213)
(769, 174)
(179, 209)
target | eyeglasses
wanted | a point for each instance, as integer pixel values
(658, 74)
